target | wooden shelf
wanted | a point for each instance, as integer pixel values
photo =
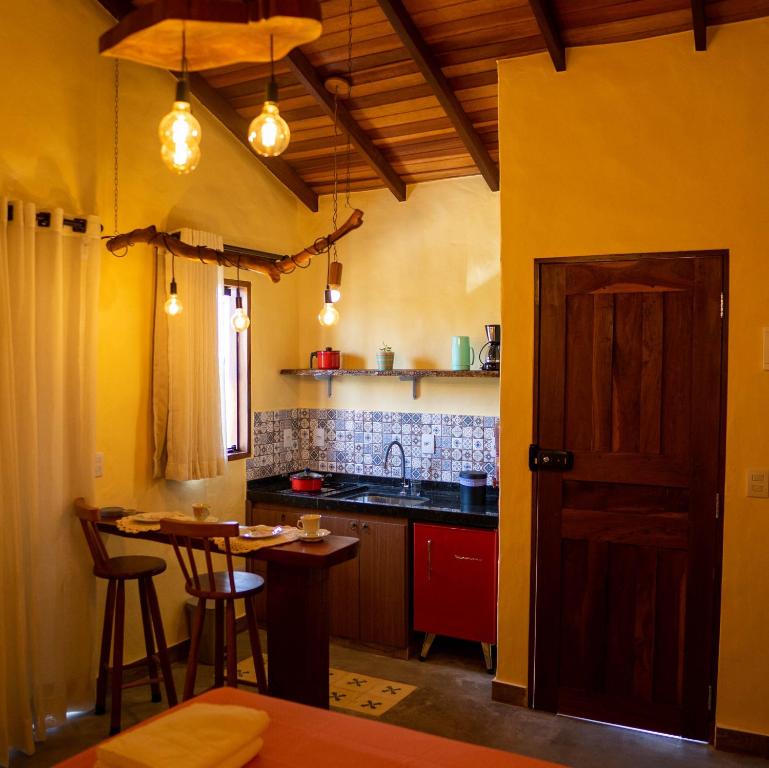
(414, 375)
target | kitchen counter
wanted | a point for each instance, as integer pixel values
(441, 504)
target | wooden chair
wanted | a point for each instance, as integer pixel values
(118, 570)
(223, 587)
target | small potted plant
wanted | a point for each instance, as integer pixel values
(384, 358)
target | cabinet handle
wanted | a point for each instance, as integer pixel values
(365, 525)
(353, 525)
(429, 559)
(465, 557)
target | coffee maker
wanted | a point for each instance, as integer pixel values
(490, 362)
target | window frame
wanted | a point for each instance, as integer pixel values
(244, 446)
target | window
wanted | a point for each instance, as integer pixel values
(235, 367)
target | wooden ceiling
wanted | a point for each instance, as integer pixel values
(423, 103)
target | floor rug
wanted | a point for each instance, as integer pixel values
(351, 691)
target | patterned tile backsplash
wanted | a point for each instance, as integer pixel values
(355, 442)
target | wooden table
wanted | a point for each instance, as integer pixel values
(299, 736)
(297, 611)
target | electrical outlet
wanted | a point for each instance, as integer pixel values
(98, 464)
(288, 438)
(319, 437)
(758, 483)
(428, 445)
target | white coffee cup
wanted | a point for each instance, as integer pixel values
(201, 511)
(310, 524)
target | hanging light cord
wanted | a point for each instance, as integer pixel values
(116, 165)
(349, 95)
(335, 197)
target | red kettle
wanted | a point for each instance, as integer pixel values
(327, 358)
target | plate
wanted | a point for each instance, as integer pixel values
(322, 533)
(156, 517)
(260, 531)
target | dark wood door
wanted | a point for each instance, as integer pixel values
(383, 580)
(627, 544)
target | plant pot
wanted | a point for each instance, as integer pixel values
(384, 361)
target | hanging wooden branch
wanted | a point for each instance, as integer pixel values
(273, 269)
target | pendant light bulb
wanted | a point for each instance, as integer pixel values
(240, 319)
(269, 133)
(329, 314)
(180, 134)
(173, 306)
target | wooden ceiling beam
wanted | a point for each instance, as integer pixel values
(414, 43)
(543, 13)
(309, 78)
(700, 25)
(221, 109)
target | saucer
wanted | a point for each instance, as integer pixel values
(322, 533)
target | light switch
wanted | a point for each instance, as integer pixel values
(765, 351)
(758, 483)
(428, 445)
(98, 465)
(319, 437)
(288, 438)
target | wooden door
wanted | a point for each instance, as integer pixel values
(383, 568)
(627, 544)
(343, 582)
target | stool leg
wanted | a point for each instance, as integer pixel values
(160, 638)
(192, 661)
(232, 646)
(148, 642)
(117, 661)
(486, 648)
(428, 641)
(218, 643)
(106, 642)
(256, 646)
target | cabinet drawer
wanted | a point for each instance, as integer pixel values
(455, 582)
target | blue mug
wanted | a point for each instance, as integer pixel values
(462, 354)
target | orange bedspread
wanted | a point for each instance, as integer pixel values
(299, 736)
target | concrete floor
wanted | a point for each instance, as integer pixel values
(454, 700)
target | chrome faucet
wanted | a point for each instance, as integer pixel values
(404, 484)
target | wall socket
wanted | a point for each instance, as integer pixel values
(98, 464)
(758, 483)
(319, 437)
(428, 445)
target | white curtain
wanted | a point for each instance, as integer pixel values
(48, 304)
(187, 399)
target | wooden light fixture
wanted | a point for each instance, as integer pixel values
(219, 32)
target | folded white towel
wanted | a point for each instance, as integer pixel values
(196, 736)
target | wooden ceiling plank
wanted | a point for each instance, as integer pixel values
(700, 25)
(416, 46)
(543, 13)
(307, 75)
(221, 109)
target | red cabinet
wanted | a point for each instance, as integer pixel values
(455, 582)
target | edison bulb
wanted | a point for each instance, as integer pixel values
(329, 315)
(173, 306)
(180, 137)
(240, 320)
(269, 133)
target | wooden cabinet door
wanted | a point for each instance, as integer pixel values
(383, 563)
(455, 582)
(628, 543)
(343, 583)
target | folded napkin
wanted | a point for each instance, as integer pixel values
(196, 736)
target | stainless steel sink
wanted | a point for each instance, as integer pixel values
(398, 501)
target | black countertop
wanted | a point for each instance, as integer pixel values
(442, 504)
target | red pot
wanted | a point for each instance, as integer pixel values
(306, 481)
(328, 359)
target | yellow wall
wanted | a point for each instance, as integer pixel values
(645, 146)
(56, 149)
(415, 274)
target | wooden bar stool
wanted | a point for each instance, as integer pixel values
(118, 570)
(223, 587)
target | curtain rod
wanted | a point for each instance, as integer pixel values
(239, 250)
(43, 219)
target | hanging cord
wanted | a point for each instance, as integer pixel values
(116, 144)
(349, 95)
(335, 197)
(237, 275)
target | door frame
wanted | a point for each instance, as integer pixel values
(723, 254)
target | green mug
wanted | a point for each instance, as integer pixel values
(462, 354)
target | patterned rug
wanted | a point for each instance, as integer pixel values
(367, 695)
